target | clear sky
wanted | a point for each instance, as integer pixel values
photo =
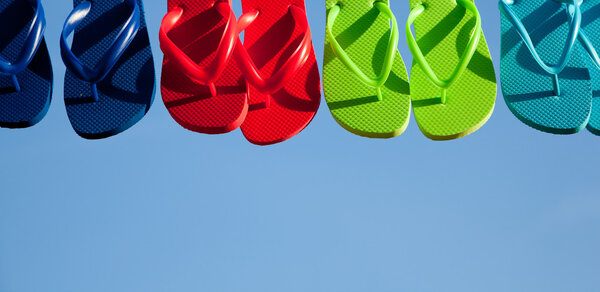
(159, 208)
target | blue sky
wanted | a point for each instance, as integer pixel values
(159, 208)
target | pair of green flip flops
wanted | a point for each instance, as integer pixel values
(550, 69)
(366, 83)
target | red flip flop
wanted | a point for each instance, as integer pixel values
(279, 64)
(203, 89)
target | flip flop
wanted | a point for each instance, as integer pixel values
(25, 68)
(588, 36)
(451, 40)
(359, 44)
(279, 64)
(203, 90)
(109, 84)
(551, 98)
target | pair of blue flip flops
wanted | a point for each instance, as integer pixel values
(562, 98)
(110, 81)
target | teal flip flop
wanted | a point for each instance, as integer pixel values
(588, 36)
(551, 98)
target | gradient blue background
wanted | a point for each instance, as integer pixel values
(159, 208)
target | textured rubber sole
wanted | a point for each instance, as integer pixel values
(364, 34)
(127, 92)
(442, 32)
(28, 106)
(270, 41)
(190, 103)
(528, 89)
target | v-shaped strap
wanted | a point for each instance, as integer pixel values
(388, 60)
(108, 61)
(291, 66)
(589, 47)
(464, 60)
(184, 63)
(33, 40)
(584, 40)
(574, 8)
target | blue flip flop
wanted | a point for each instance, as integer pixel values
(25, 68)
(111, 37)
(588, 36)
(551, 98)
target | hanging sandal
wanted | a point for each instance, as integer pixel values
(551, 98)
(359, 44)
(202, 88)
(109, 84)
(588, 36)
(26, 83)
(450, 39)
(277, 44)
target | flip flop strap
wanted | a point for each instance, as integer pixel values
(589, 47)
(464, 60)
(584, 40)
(388, 60)
(291, 66)
(574, 29)
(33, 40)
(184, 63)
(118, 47)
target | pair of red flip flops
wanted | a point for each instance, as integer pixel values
(213, 83)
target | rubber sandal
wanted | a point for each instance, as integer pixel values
(551, 98)
(25, 68)
(109, 84)
(450, 45)
(202, 88)
(588, 36)
(279, 64)
(365, 79)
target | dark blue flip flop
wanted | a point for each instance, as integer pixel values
(25, 68)
(111, 37)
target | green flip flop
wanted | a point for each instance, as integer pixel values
(449, 44)
(360, 45)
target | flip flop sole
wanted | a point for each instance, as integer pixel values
(190, 103)
(442, 32)
(127, 92)
(270, 41)
(590, 23)
(28, 106)
(364, 34)
(528, 89)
